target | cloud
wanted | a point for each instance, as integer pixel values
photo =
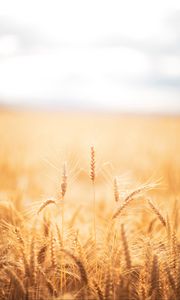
(106, 58)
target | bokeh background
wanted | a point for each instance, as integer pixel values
(91, 55)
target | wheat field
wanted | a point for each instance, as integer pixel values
(89, 206)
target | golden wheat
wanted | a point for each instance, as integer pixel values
(47, 253)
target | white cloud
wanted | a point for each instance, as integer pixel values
(171, 66)
(85, 21)
(76, 69)
(35, 75)
(9, 45)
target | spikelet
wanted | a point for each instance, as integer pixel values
(92, 164)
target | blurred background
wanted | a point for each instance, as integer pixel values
(112, 56)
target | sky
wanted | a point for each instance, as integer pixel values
(100, 55)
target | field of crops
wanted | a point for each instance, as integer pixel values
(89, 206)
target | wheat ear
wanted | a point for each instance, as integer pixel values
(157, 212)
(17, 281)
(33, 260)
(92, 164)
(49, 284)
(126, 248)
(82, 271)
(92, 177)
(64, 180)
(155, 277)
(98, 290)
(53, 252)
(130, 197)
(42, 254)
(45, 203)
(108, 285)
(116, 189)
